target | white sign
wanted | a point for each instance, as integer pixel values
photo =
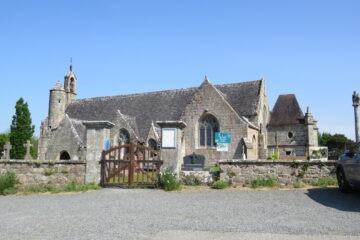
(168, 138)
(222, 147)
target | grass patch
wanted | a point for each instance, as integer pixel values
(298, 184)
(220, 184)
(8, 181)
(264, 182)
(324, 182)
(50, 188)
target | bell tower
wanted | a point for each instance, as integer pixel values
(70, 85)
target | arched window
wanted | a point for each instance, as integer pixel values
(153, 144)
(64, 155)
(208, 126)
(124, 136)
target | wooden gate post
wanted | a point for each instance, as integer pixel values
(131, 165)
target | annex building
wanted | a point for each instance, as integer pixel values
(238, 111)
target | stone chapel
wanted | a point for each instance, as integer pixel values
(239, 109)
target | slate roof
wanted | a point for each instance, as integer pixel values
(286, 111)
(162, 105)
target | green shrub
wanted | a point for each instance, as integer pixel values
(191, 180)
(169, 181)
(324, 182)
(215, 172)
(8, 181)
(220, 184)
(264, 182)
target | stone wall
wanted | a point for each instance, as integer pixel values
(37, 172)
(286, 173)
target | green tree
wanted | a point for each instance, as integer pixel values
(21, 129)
(336, 143)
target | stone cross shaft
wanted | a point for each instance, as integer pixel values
(27, 146)
(356, 104)
(7, 148)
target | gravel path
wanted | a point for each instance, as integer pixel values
(154, 214)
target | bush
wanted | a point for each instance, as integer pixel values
(191, 180)
(220, 184)
(169, 181)
(215, 172)
(8, 181)
(261, 182)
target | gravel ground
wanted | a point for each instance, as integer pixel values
(154, 214)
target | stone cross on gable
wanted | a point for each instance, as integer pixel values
(27, 146)
(7, 148)
(356, 99)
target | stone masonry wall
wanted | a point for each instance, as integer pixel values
(208, 101)
(36, 172)
(286, 173)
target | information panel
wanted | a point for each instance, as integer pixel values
(168, 138)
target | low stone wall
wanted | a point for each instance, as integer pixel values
(286, 173)
(38, 172)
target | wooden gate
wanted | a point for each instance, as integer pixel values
(130, 165)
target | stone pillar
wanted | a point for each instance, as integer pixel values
(312, 131)
(356, 104)
(97, 132)
(172, 145)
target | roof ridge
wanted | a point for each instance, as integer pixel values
(238, 83)
(162, 91)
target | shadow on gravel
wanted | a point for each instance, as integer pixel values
(332, 197)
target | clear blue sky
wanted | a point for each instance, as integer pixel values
(310, 48)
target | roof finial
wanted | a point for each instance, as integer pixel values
(206, 79)
(71, 64)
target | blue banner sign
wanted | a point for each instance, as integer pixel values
(222, 137)
(107, 144)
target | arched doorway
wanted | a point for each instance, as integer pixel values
(64, 155)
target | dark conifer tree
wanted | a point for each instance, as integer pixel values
(21, 129)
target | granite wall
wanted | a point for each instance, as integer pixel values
(38, 172)
(286, 173)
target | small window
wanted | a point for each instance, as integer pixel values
(288, 153)
(290, 134)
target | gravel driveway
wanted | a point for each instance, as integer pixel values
(154, 214)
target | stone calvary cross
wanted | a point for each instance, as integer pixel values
(27, 146)
(7, 148)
